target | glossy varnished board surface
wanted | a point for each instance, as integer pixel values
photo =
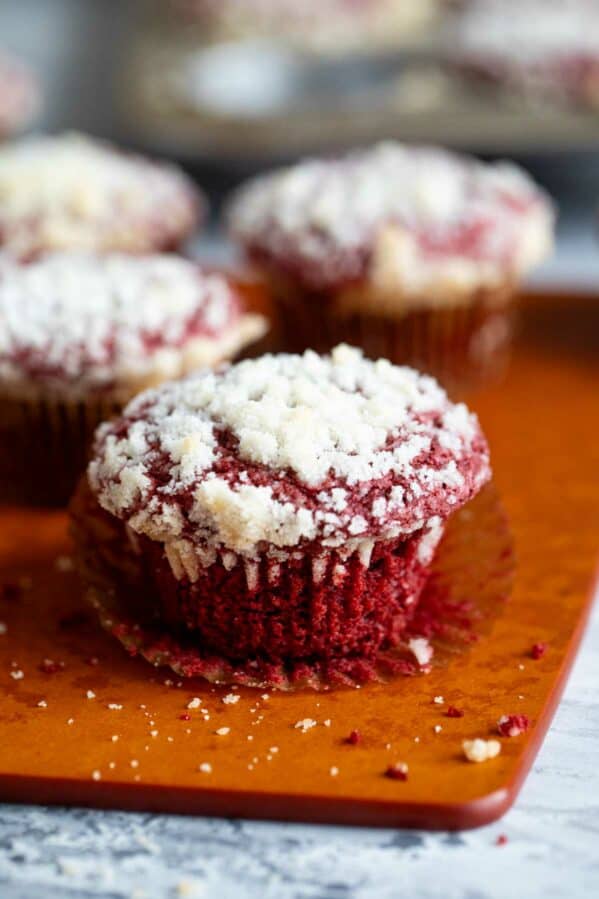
(542, 427)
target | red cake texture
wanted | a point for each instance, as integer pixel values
(287, 509)
(513, 725)
(398, 771)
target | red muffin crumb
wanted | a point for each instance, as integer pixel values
(501, 840)
(513, 725)
(398, 771)
(411, 253)
(538, 650)
(453, 712)
(49, 666)
(354, 738)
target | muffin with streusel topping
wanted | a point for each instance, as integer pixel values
(70, 192)
(81, 334)
(413, 254)
(534, 52)
(276, 518)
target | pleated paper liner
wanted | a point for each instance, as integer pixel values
(471, 579)
(45, 442)
(465, 346)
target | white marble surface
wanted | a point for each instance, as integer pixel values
(552, 849)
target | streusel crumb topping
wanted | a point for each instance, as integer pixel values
(286, 449)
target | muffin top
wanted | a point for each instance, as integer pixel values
(82, 322)
(71, 192)
(19, 95)
(533, 32)
(285, 450)
(398, 217)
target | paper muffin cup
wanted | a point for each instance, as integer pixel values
(472, 574)
(328, 609)
(312, 604)
(45, 444)
(464, 345)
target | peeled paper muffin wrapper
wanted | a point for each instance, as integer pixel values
(471, 577)
(463, 345)
(45, 442)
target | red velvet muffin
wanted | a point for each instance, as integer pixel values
(284, 510)
(69, 192)
(19, 95)
(534, 50)
(411, 253)
(82, 334)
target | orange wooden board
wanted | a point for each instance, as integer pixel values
(542, 424)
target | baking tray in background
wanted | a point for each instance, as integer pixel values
(260, 103)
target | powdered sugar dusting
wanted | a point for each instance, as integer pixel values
(271, 450)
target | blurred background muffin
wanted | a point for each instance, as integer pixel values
(81, 334)
(411, 253)
(226, 107)
(532, 51)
